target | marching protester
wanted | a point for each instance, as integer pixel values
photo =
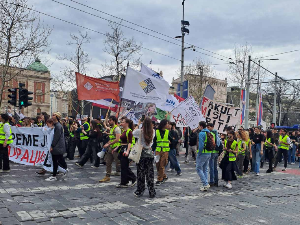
(114, 141)
(191, 145)
(203, 156)
(293, 147)
(57, 147)
(242, 148)
(145, 165)
(84, 139)
(127, 142)
(257, 150)
(161, 144)
(284, 145)
(228, 163)
(5, 140)
(92, 148)
(269, 150)
(173, 152)
(213, 161)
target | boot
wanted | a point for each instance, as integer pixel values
(105, 179)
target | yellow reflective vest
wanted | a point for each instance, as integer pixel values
(112, 137)
(162, 143)
(2, 135)
(82, 135)
(284, 139)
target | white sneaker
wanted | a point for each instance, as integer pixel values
(257, 174)
(292, 163)
(65, 173)
(284, 169)
(224, 185)
(170, 170)
(229, 186)
(51, 179)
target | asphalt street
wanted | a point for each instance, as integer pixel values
(26, 198)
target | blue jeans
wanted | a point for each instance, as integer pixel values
(213, 168)
(202, 167)
(291, 154)
(256, 156)
(173, 161)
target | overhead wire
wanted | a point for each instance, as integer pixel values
(132, 28)
(144, 27)
(86, 28)
(282, 53)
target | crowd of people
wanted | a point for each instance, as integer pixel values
(110, 141)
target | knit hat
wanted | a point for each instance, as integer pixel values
(58, 115)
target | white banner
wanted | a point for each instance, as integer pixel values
(144, 88)
(220, 115)
(30, 145)
(170, 104)
(187, 113)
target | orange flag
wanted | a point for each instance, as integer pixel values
(89, 88)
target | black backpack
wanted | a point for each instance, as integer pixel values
(210, 142)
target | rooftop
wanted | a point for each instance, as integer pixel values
(37, 66)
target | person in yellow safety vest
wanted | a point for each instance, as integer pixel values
(126, 142)
(5, 140)
(40, 122)
(229, 166)
(161, 144)
(242, 146)
(114, 141)
(84, 139)
(270, 144)
(213, 161)
(284, 145)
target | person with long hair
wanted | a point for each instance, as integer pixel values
(228, 164)
(127, 142)
(269, 145)
(145, 165)
(5, 140)
(242, 146)
(248, 153)
(161, 144)
(92, 147)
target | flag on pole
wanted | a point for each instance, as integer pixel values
(140, 87)
(243, 100)
(149, 71)
(105, 104)
(90, 88)
(260, 110)
(208, 93)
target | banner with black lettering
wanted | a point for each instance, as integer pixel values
(220, 115)
(30, 145)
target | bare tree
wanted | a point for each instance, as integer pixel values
(22, 37)
(66, 80)
(287, 101)
(123, 50)
(199, 74)
(238, 67)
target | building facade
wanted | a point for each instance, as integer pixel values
(59, 102)
(194, 85)
(36, 78)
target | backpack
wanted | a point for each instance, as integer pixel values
(210, 143)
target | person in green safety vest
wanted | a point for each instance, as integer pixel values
(161, 143)
(5, 140)
(269, 145)
(283, 148)
(84, 139)
(114, 141)
(213, 161)
(242, 147)
(228, 164)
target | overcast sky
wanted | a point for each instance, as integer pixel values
(269, 26)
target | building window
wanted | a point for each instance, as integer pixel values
(39, 92)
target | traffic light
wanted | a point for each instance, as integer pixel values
(12, 96)
(24, 98)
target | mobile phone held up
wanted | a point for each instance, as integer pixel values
(143, 118)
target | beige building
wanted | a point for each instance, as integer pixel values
(59, 103)
(36, 78)
(196, 86)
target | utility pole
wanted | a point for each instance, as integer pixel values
(182, 51)
(247, 95)
(257, 94)
(275, 96)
